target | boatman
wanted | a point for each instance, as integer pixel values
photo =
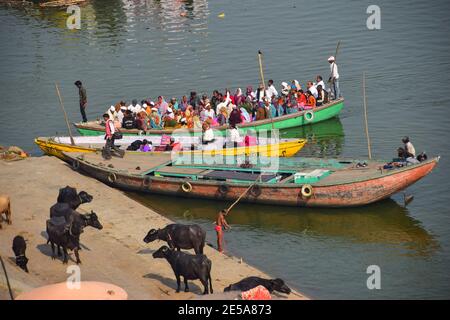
(221, 224)
(409, 150)
(334, 78)
(83, 99)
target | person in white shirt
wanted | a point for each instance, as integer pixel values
(271, 91)
(111, 112)
(312, 89)
(334, 78)
(208, 112)
(233, 136)
(320, 82)
(409, 148)
(285, 88)
(169, 114)
(208, 133)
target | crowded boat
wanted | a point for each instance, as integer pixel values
(220, 108)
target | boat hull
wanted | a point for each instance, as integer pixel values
(282, 149)
(352, 194)
(284, 122)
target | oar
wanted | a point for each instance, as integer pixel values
(262, 80)
(65, 114)
(365, 115)
(7, 279)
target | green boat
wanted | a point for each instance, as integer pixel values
(297, 119)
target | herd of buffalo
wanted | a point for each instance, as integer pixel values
(66, 225)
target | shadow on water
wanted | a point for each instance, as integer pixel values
(385, 223)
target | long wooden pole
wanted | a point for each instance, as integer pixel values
(7, 279)
(365, 116)
(244, 193)
(65, 114)
(263, 82)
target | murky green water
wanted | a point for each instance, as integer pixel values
(139, 49)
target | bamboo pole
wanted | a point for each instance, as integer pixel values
(245, 192)
(261, 73)
(365, 116)
(65, 114)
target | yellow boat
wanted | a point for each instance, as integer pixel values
(55, 146)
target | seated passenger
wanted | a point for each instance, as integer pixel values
(146, 146)
(174, 145)
(250, 138)
(235, 116)
(208, 133)
(301, 98)
(128, 121)
(320, 96)
(261, 112)
(233, 137)
(311, 101)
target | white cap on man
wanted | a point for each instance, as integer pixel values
(331, 59)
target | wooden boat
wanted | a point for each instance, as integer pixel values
(306, 182)
(292, 120)
(267, 147)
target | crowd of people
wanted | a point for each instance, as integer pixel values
(225, 108)
(220, 108)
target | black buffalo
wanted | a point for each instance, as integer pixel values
(68, 201)
(67, 235)
(179, 236)
(19, 247)
(252, 282)
(189, 266)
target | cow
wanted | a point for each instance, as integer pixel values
(5, 207)
(19, 247)
(68, 201)
(67, 234)
(252, 282)
(180, 236)
(190, 266)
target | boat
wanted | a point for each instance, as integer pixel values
(297, 119)
(55, 146)
(299, 182)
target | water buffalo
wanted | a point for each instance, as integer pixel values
(252, 282)
(67, 235)
(68, 201)
(179, 236)
(5, 207)
(19, 247)
(190, 266)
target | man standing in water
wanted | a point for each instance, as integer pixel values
(83, 99)
(221, 224)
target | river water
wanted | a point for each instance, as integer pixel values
(139, 49)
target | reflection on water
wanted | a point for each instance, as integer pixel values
(385, 222)
(325, 139)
